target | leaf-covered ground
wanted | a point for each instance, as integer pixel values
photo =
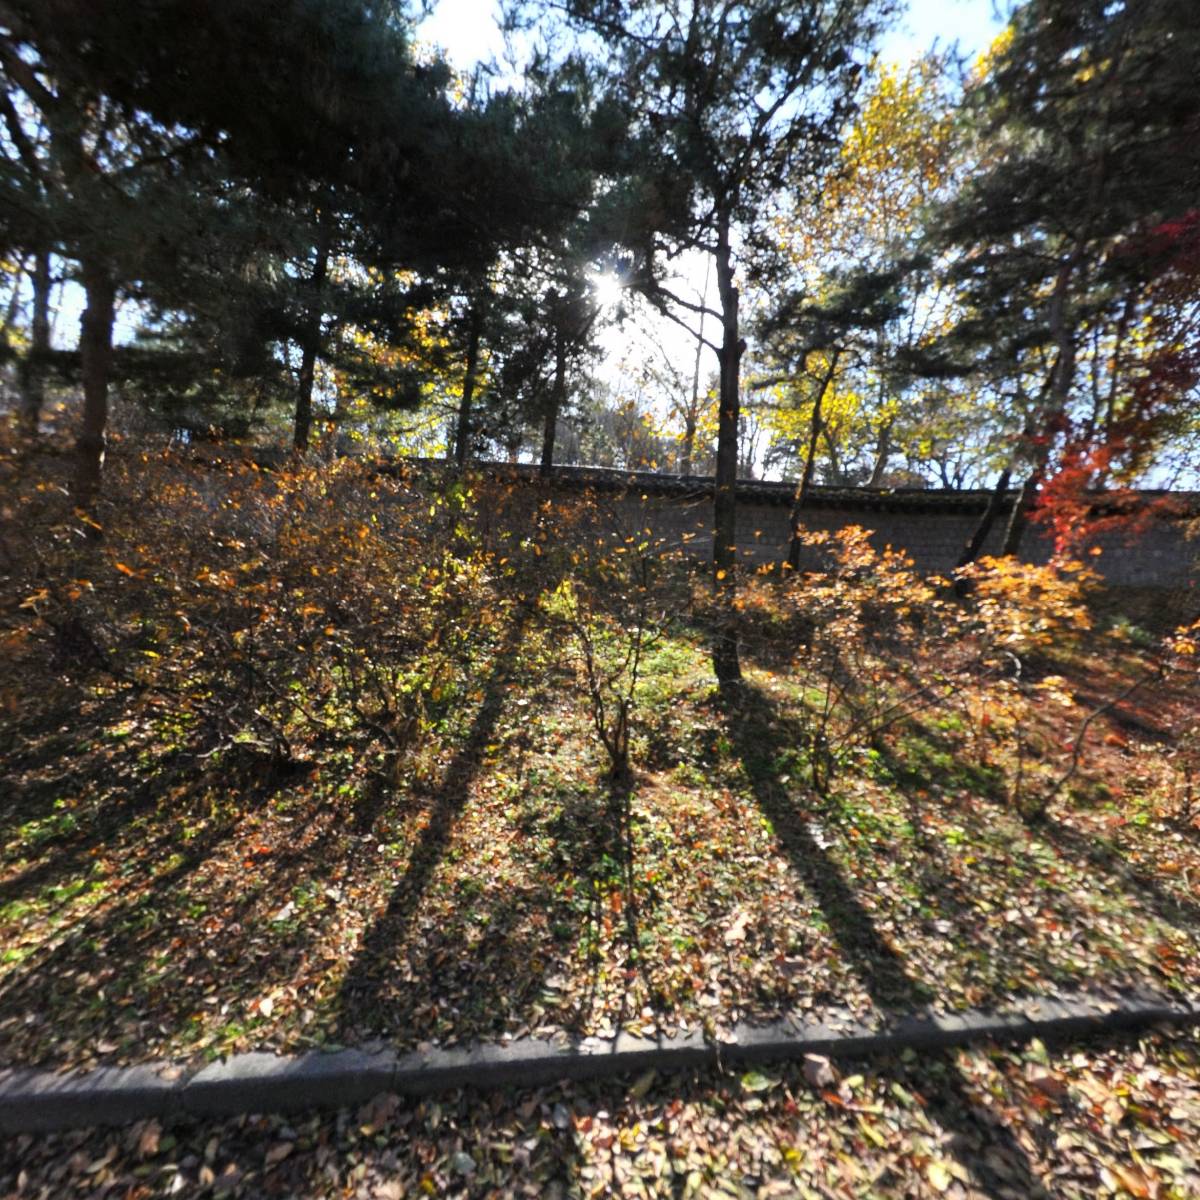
(495, 884)
(1106, 1118)
(315, 765)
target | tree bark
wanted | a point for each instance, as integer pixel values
(554, 404)
(726, 662)
(32, 375)
(692, 416)
(32, 371)
(311, 342)
(1062, 331)
(14, 299)
(462, 432)
(975, 542)
(95, 361)
(883, 451)
(1018, 518)
(1058, 394)
(835, 461)
(810, 463)
(689, 443)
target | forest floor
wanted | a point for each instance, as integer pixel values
(159, 901)
(516, 891)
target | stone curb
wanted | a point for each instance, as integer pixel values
(36, 1101)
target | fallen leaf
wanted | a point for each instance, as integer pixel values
(939, 1174)
(1132, 1181)
(1048, 1084)
(756, 1081)
(279, 1152)
(148, 1139)
(819, 1072)
(737, 931)
(462, 1163)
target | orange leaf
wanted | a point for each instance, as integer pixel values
(1132, 1181)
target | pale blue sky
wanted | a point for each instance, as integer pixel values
(971, 23)
(468, 31)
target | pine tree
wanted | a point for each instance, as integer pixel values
(1090, 131)
(732, 101)
(541, 162)
(310, 105)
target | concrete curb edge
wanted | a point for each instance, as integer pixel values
(37, 1101)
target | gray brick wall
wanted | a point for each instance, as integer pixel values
(1160, 554)
(1152, 571)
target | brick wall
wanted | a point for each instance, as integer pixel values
(1154, 572)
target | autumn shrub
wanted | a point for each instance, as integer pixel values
(878, 647)
(269, 614)
(617, 597)
(1181, 663)
(866, 628)
(1020, 610)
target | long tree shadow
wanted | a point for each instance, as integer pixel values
(366, 994)
(56, 837)
(57, 988)
(990, 825)
(1094, 853)
(612, 842)
(760, 734)
(135, 805)
(144, 953)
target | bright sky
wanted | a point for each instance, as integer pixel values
(972, 24)
(469, 32)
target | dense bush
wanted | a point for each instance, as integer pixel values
(267, 610)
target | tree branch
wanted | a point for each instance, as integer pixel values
(665, 311)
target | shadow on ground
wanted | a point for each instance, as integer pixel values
(760, 735)
(481, 955)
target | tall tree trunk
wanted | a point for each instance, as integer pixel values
(14, 299)
(1062, 330)
(95, 362)
(558, 393)
(975, 543)
(883, 451)
(689, 442)
(1117, 363)
(32, 375)
(692, 416)
(726, 662)
(810, 464)
(1018, 518)
(462, 432)
(835, 460)
(32, 371)
(1058, 395)
(748, 435)
(311, 339)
